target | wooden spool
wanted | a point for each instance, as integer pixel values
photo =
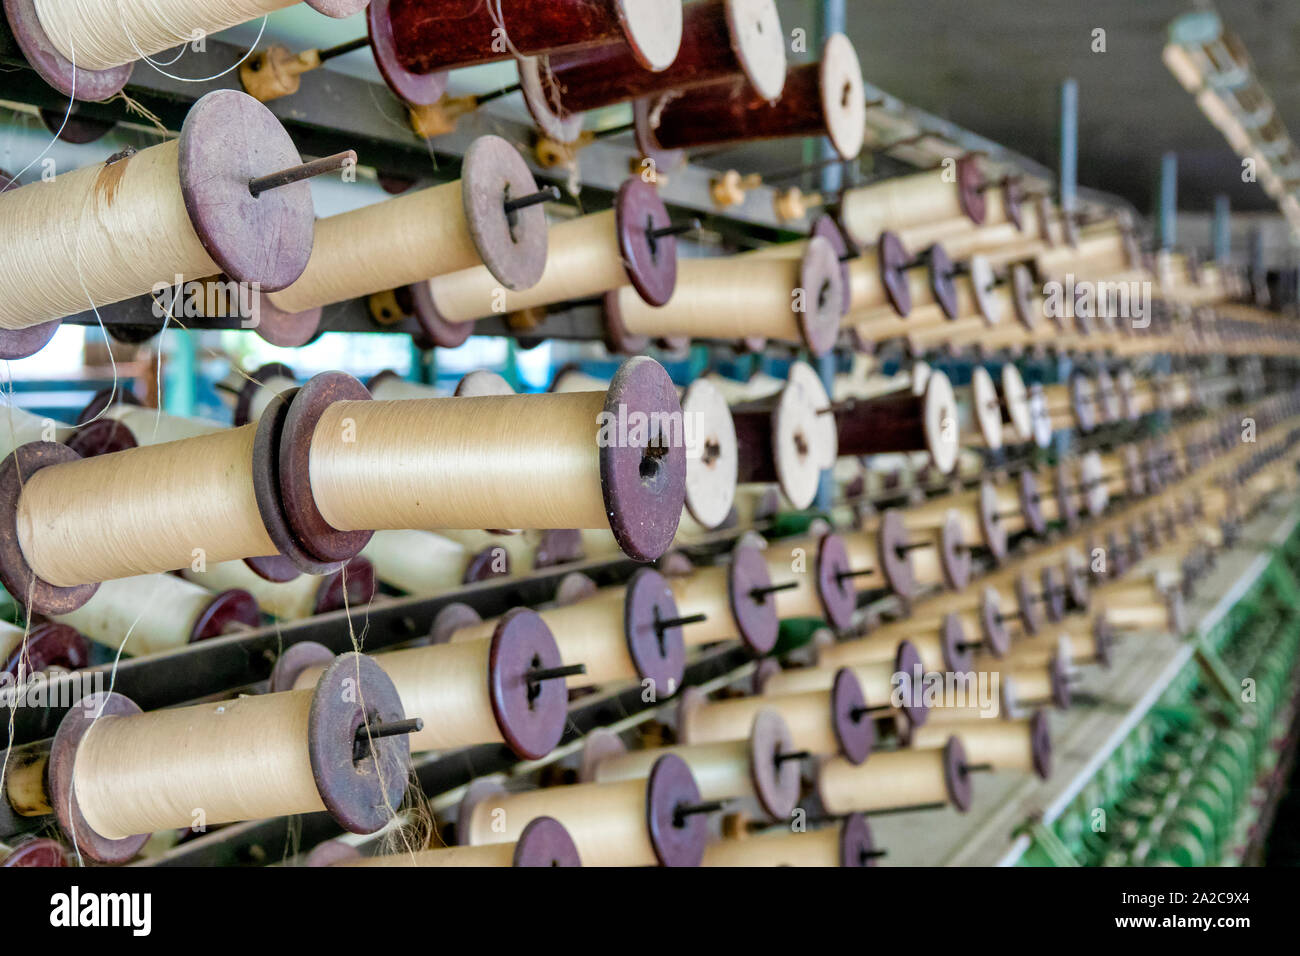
(897, 780)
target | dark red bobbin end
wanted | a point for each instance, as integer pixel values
(651, 262)
(49, 645)
(970, 188)
(530, 715)
(226, 613)
(330, 853)
(1055, 593)
(891, 540)
(615, 334)
(54, 68)
(894, 260)
(776, 781)
(1013, 198)
(352, 586)
(20, 343)
(956, 774)
(546, 842)
(491, 562)
(659, 653)
(16, 574)
(102, 437)
(644, 483)
(36, 851)
(63, 797)
(452, 618)
(1028, 602)
(1040, 743)
(835, 588)
(907, 660)
(645, 112)
(996, 635)
(856, 845)
(955, 557)
(362, 795)
(297, 658)
(558, 546)
(227, 140)
(958, 657)
(855, 731)
(943, 283)
(421, 89)
(286, 329)
(825, 227)
(825, 296)
(513, 245)
(314, 535)
(677, 840)
(1058, 673)
(755, 616)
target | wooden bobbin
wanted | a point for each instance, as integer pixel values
(876, 680)
(618, 634)
(53, 57)
(424, 563)
(822, 722)
(945, 649)
(544, 842)
(848, 844)
(933, 297)
(352, 586)
(785, 438)
(827, 590)
(256, 390)
(796, 301)
(1036, 683)
(721, 39)
(630, 823)
(903, 422)
(819, 99)
(759, 766)
(639, 468)
(826, 228)
(466, 692)
(1024, 745)
(40, 648)
(35, 851)
(897, 780)
(1142, 606)
(454, 226)
(361, 794)
(227, 141)
(735, 598)
(937, 195)
(154, 613)
(980, 613)
(588, 257)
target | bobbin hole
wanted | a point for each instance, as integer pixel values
(711, 452)
(801, 444)
(652, 457)
(846, 95)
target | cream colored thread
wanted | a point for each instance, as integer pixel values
(143, 511)
(491, 462)
(286, 600)
(383, 246)
(163, 609)
(583, 261)
(897, 778)
(124, 226)
(242, 759)
(110, 33)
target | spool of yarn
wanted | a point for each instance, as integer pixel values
(1036, 683)
(619, 634)
(945, 649)
(255, 391)
(903, 422)
(763, 767)
(104, 39)
(493, 690)
(39, 648)
(935, 196)
(544, 842)
(658, 821)
(117, 775)
(979, 613)
(721, 39)
(303, 597)
(423, 563)
(185, 207)
(799, 301)
(926, 282)
(897, 780)
(153, 613)
(824, 581)
(409, 239)
(822, 722)
(818, 99)
(1024, 745)
(848, 844)
(734, 599)
(150, 426)
(588, 256)
(878, 681)
(615, 460)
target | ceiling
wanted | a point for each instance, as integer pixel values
(995, 66)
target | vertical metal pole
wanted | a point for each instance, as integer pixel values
(832, 19)
(1221, 236)
(1069, 171)
(1167, 213)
